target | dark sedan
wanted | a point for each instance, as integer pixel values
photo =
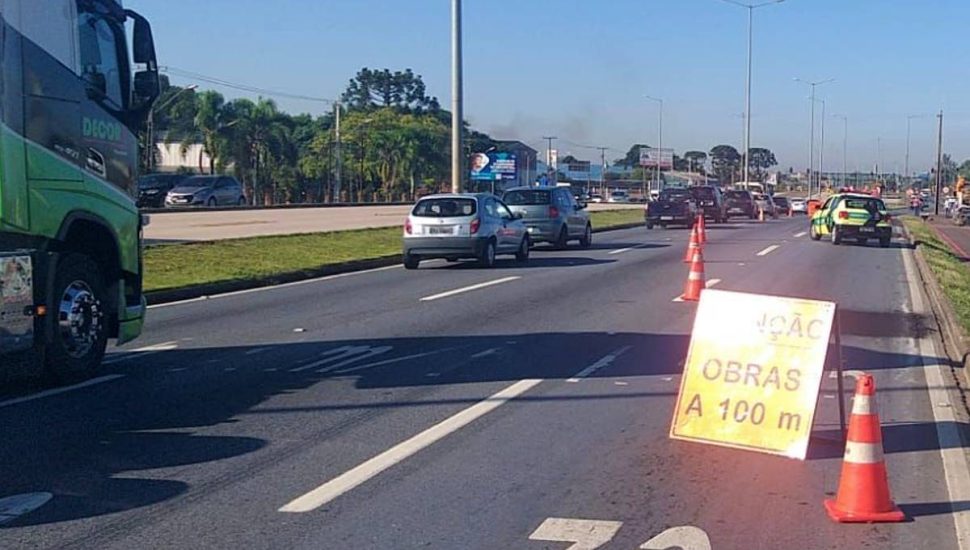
(152, 189)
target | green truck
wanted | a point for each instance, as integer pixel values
(74, 92)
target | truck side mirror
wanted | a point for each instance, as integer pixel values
(146, 82)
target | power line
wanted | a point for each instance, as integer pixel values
(175, 71)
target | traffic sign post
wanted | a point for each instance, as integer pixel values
(754, 370)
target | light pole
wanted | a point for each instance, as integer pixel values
(456, 97)
(811, 137)
(909, 119)
(821, 149)
(747, 89)
(845, 146)
(551, 172)
(151, 124)
(660, 136)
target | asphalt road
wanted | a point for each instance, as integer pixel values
(231, 223)
(376, 410)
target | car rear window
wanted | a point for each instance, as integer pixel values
(526, 197)
(780, 200)
(864, 203)
(739, 195)
(444, 208)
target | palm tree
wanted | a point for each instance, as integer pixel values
(209, 120)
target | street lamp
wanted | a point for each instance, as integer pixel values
(845, 144)
(151, 124)
(660, 136)
(747, 89)
(456, 98)
(909, 119)
(811, 137)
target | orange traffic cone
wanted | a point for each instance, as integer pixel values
(693, 245)
(695, 279)
(702, 230)
(863, 495)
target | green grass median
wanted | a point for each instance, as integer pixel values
(176, 266)
(950, 271)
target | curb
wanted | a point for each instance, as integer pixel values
(224, 287)
(955, 340)
(295, 206)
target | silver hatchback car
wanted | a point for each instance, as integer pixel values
(463, 225)
(551, 214)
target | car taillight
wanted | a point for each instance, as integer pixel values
(407, 226)
(887, 218)
(553, 212)
(476, 223)
(843, 215)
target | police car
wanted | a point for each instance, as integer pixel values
(852, 216)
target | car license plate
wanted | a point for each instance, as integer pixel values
(666, 218)
(867, 229)
(441, 230)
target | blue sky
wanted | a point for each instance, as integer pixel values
(579, 69)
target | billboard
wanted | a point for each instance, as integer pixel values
(493, 167)
(649, 157)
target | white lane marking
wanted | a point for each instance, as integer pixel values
(376, 465)
(620, 250)
(585, 534)
(177, 369)
(486, 353)
(685, 537)
(603, 362)
(337, 353)
(372, 352)
(276, 287)
(13, 507)
(141, 352)
(254, 351)
(802, 234)
(391, 361)
(708, 284)
(768, 250)
(955, 468)
(470, 288)
(57, 391)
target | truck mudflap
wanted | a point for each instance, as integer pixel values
(16, 302)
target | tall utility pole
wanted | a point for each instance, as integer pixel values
(747, 88)
(660, 137)
(821, 150)
(338, 164)
(811, 136)
(602, 168)
(845, 147)
(909, 119)
(457, 156)
(550, 169)
(939, 164)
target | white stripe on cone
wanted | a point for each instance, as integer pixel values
(863, 453)
(863, 404)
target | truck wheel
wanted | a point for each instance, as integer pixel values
(649, 225)
(77, 315)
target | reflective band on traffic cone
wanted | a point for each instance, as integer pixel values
(695, 279)
(761, 214)
(693, 245)
(702, 231)
(863, 495)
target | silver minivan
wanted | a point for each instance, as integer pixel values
(463, 225)
(551, 214)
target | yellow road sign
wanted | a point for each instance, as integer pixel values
(753, 372)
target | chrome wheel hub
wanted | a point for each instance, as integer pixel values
(80, 319)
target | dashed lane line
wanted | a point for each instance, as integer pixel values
(140, 352)
(605, 361)
(58, 391)
(375, 466)
(470, 288)
(802, 234)
(768, 250)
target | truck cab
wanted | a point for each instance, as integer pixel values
(74, 94)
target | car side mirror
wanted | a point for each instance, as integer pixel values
(581, 206)
(516, 215)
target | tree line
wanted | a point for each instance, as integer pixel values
(727, 164)
(393, 140)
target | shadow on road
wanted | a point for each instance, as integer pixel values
(922, 509)
(119, 447)
(906, 437)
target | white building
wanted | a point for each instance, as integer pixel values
(169, 157)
